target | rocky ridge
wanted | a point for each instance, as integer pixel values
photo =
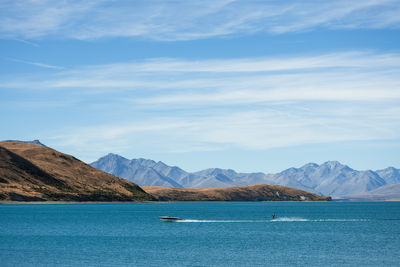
(330, 178)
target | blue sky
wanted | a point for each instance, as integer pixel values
(247, 85)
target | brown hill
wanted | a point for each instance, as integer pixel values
(260, 192)
(33, 173)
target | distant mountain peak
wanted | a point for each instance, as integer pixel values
(329, 178)
(390, 169)
(333, 164)
(311, 164)
(113, 156)
(390, 174)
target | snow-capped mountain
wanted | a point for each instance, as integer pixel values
(330, 178)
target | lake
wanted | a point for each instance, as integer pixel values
(210, 234)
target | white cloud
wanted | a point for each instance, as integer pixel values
(38, 64)
(347, 76)
(175, 105)
(188, 20)
(34, 19)
(251, 130)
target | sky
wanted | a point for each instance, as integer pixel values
(252, 85)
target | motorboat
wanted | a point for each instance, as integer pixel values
(169, 219)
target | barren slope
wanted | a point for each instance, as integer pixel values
(260, 192)
(31, 172)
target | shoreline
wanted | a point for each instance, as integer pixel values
(8, 202)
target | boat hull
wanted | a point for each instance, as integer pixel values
(169, 219)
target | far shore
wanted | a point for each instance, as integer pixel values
(7, 202)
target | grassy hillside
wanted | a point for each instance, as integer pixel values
(32, 173)
(259, 192)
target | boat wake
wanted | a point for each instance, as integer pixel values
(220, 221)
(296, 219)
(290, 219)
(277, 220)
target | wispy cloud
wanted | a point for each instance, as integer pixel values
(26, 42)
(257, 129)
(347, 76)
(180, 105)
(188, 20)
(37, 64)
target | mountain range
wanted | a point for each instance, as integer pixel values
(330, 178)
(31, 171)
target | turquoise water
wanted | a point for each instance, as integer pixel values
(211, 234)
